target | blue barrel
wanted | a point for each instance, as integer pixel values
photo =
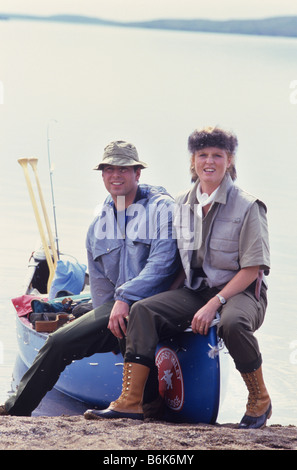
(189, 378)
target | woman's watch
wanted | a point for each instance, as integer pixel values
(221, 299)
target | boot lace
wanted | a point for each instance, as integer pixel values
(253, 389)
(126, 382)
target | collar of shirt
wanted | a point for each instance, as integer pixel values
(204, 199)
(220, 195)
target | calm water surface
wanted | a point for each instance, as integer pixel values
(90, 85)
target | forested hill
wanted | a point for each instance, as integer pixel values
(278, 26)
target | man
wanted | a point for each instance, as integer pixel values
(131, 255)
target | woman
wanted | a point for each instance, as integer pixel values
(223, 244)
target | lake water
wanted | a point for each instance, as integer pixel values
(89, 85)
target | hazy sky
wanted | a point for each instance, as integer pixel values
(149, 9)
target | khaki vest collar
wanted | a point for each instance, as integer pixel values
(221, 195)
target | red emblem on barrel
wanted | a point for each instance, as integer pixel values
(171, 384)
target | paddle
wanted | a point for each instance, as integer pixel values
(33, 162)
(24, 164)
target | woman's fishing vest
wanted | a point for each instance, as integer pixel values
(221, 259)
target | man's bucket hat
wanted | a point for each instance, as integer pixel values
(120, 153)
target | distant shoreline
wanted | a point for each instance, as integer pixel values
(282, 26)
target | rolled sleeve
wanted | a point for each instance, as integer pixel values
(254, 240)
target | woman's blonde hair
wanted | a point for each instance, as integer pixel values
(213, 137)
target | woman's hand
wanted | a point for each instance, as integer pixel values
(204, 316)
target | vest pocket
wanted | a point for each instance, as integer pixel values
(224, 254)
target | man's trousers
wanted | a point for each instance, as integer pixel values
(83, 337)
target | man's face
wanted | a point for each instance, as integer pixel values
(121, 181)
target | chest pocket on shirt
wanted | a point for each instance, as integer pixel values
(224, 244)
(107, 253)
(140, 251)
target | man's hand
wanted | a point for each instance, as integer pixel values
(118, 317)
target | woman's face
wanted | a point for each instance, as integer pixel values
(211, 164)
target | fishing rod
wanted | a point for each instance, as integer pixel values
(52, 187)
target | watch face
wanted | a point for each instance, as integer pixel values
(221, 298)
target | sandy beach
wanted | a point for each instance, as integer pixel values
(76, 433)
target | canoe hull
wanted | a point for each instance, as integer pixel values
(189, 379)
